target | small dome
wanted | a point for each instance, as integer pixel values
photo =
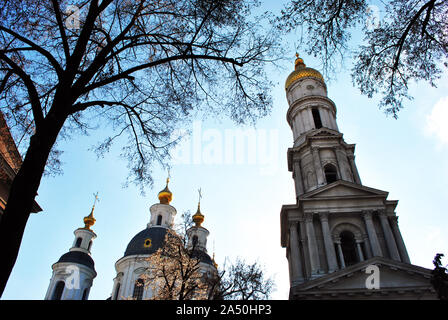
(198, 217)
(165, 196)
(202, 256)
(302, 71)
(78, 257)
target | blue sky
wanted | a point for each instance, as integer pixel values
(241, 202)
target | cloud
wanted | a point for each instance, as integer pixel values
(437, 121)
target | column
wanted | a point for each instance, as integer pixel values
(310, 117)
(330, 119)
(328, 243)
(312, 245)
(326, 117)
(333, 120)
(340, 155)
(300, 116)
(297, 175)
(318, 166)
(359, 249)
(367, 246)
(373, 238)
(297, 272)
(307, 125)
(356, 176)
(390, 241)
(340, 254)
(400, 243)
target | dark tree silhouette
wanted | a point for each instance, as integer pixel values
(407, 44)
(243, 281)
(439, 277)
(142, 67)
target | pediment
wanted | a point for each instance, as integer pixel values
(393, 277)
(324, 132)
(341, 189)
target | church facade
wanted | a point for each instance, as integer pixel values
(342, 238)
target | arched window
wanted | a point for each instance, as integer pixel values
(348, 245)
(138, 289)
(117, 291)
(331, 174)
(90, 245)
(159, 220)
(195, 240)
(316, 118)
(58, 290)
(78, 242)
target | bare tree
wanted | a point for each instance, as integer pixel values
(178, 272)
(175, 273)
(243, 281)
(141, 67)
(409, 43)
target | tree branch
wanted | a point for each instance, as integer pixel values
(32, 92)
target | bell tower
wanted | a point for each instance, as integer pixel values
(74, 272)
(337, 225)
(319, 155)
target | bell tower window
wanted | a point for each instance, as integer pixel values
(331, 174)
(195, 241)
(316, 118)
(159, 220)
(348, 246)
(78, 242)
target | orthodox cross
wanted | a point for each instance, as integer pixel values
(200, 194)
(96, 199)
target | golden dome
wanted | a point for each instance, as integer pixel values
(89, 220)
(301, 71)
(198, 217)
(165, 196)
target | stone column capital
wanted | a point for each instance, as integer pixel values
(309, 217)
(314, 149)
(338, 147)
(367, 214)
(293, 223)
(394, 219)
(323, 216)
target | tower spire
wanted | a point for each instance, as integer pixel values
(165, 196)
(198, 217)
(90, 220)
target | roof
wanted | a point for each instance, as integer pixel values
(10, 162)
(78, 257)
(149, 240)
(139, 244)
(395, 280)
(202, 256)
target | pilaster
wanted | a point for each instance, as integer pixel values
(373, 238)
(390, 241)
(328, 243)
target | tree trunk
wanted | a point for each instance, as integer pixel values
(22, 193)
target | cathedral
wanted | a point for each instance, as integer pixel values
(342, 238)
(74, 272)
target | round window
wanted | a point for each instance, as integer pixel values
(147, 243)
